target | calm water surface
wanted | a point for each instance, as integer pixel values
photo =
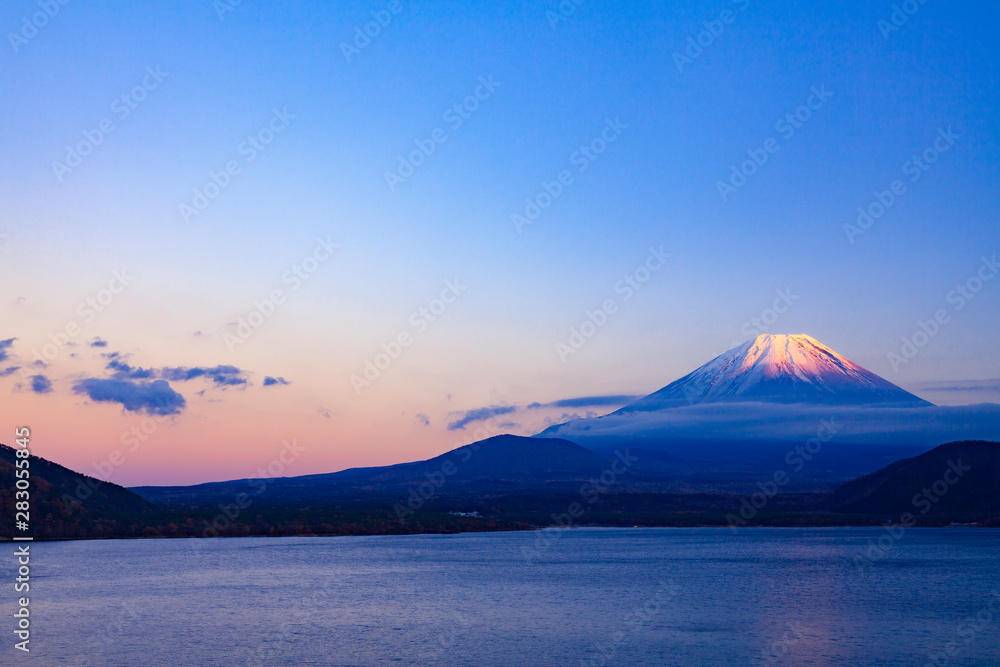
(586, 597)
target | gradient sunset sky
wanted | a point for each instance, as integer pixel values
(308, 118)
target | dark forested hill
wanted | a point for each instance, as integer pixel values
(64, 503)
(957, 480)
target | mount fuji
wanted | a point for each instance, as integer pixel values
(779, 369)
(749, 408)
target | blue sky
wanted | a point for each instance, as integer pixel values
(337, 125)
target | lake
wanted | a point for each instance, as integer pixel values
(587, 596)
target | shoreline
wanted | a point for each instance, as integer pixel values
(734, 530)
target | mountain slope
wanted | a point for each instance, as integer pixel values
(957, 480)
(500, 463)
(779, 369)
(68, 504)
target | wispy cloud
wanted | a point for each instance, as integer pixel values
(9, 371)
(423, 419)
(479, 414)
(5, 345)
(612, 400)
(271, 381)
(98, 342)
(991, 385)
(223, 376)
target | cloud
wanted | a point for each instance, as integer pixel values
(98, 342)
(992, 385)
(792, 423)
(41, 384)
(4, 346)
(567, 417)
(223, 375)
(323, 412)
(9, 370)
(155, 398)
(588, 401)
(480, 414)
(123, 371)
(423, 419)
(269, 381)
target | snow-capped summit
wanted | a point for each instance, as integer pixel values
(779, 369)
